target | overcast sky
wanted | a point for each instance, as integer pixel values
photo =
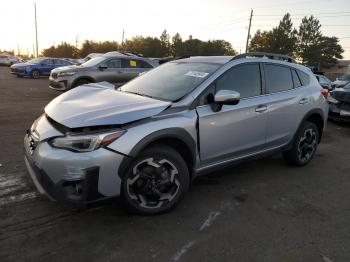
(63, 20)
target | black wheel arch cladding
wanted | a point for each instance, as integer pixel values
(178, 134)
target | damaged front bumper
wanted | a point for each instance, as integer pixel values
(71, 177)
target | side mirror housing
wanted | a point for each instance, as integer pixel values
(227, 97)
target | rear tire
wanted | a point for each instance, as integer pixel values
(304, 145)
(20, 76)
(35, 74)
(156, 181)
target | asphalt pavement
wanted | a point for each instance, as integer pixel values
(257, 211)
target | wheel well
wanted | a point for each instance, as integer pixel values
(83, 78)
(180, 146)
(318, 121)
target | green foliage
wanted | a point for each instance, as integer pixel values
(90, 46)
(314, 48)
(281, 39)
(62, 50)
(146, 46)
(308, 44)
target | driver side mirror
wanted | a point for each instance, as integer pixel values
(227, 97)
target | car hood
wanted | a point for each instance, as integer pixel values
(341, 94)
(66, 68)
(20, 65)
(98, 104)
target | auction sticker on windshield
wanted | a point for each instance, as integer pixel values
(196, 74)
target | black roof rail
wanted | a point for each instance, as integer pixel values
(267, 55)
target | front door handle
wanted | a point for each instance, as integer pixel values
(304, 101)
(261, 109)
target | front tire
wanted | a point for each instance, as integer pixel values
(304, 145)
(155, 181)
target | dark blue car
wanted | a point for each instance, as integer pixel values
(38, 67)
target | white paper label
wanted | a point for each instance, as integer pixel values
(196, 74)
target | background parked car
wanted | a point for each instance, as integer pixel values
(112, 67)
(339, 103)
(38, 67)
(341, 81)
(324, 81)
(9, 60)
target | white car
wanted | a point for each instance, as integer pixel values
(341, 81)
(9, 60)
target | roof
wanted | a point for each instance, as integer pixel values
(208, 59)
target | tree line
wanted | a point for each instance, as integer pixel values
(146, 46)
(307, 44)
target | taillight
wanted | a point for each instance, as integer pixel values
(324, 92)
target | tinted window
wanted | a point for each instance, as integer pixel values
(131, 63)
(114, 63)
(244, 79)
(207, 97)
(305, 79)
(278, 78)
(170, 81)
(296, 79)
(145, 64)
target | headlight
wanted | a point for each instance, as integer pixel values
(70, 73)
(86, 143)
(332, 100)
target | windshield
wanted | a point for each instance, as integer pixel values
(35, 60)
(344, 78)
(170, 81)
(93, 61)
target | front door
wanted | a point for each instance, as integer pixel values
(236, 130)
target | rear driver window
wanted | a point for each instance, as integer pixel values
(296, 79)
(278, 78)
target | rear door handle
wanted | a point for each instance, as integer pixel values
(261, 109)
(304, 101)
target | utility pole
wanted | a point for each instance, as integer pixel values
(36, 32)
(76, 41)
(18, 50)
(123, 37)
(248, 36)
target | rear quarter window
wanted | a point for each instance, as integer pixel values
(304, 78)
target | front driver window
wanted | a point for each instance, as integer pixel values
(244, 79)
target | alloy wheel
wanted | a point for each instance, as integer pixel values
(307, 145)
(154, 183)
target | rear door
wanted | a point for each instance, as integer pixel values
(46, 66)
(235, 130)
(131, 68)
(288, 102)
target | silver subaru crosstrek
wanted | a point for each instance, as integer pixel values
(114, 67)
(147, 140)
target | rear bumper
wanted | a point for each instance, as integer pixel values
(339, 112)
